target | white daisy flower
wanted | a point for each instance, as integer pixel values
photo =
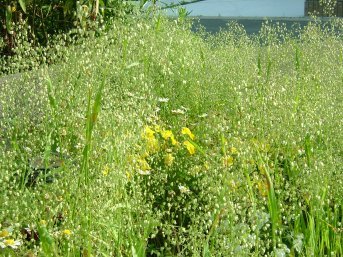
(10, 243)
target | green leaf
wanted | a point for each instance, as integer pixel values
(23, 5)
(68, 7)
(44, 236)
(52, 100)
(9, 18)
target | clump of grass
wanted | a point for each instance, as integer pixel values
(256, 170)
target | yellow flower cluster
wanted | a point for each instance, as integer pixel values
(153, 144)
(168, 134)
(149, 134)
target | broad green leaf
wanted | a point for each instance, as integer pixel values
(9, 18)
(23, 5)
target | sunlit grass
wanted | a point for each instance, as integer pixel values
(152, 140)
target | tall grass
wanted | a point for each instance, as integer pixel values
(152, 140)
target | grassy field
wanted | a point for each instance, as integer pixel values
(155, 141)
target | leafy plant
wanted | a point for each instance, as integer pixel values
(171, 171)
(45, 18)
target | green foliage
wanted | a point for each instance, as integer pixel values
(241, 155)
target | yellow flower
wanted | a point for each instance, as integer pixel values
(13, 9)
(190, 147)
(42, 222)
(143, 165)
(148, 133)
(66, 232)
(187, 131)
(168, 159)
(173, 140)
(4, 233)
(9, 242)
(166, 134)
(228, 161)
(106, 170)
